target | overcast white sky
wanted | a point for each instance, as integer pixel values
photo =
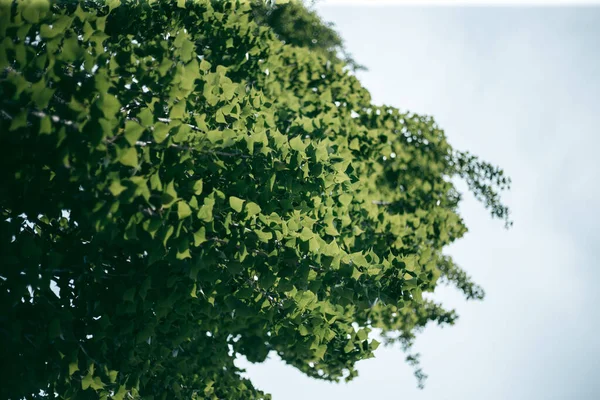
(521, 88)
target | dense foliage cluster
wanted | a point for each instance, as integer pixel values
(179, 186)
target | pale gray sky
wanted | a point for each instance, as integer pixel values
(519, 87)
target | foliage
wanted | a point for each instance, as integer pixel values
(296, 24)
(178, 186)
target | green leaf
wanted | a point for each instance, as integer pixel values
(178, 110)
(263, 236)
(206, 211)
(306, 234)
(349, 347)
(354, 144)
(129, 158)
(112, 4)
(73, 367)
(320, 351)
(170, 195)
(345, 199)
(417, 294)
(133, 132)
(198, 187)
(87, 381)
(19, 121)
(45, 125)
(41, 94)
(297, 144)
(160, 132)
(361, 334)
(219, 117)
(200, 236)
(303, 330)
(252, 209)
(183, 210)
(374, 345)
(97, 383)
(183, 254)
(205, 65)
(112, 376)
(120, 395)
(109, 105)
(236, 203)
(305, 298)
(146, 117)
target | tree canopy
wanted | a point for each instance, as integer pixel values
(185, 181)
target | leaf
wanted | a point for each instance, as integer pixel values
(183, 210)
(252, 209)
(200, 236)
(214, 135)
(303, 330)
(87, 381)
(236, 203)
(263, 236)
(90, 382)
(306, 234)
(297, 144)
(97, 383)
(191, 70)
(167, 235)
(112, 376)
(345, 199)
(181, 3)
(198, 187)
(170, 195)
(146, 117)
(112, 4)
(331, 230)
(19, 121)
(354, 144)
(129, 158)
(374, 345)
(229, 90)
(45, 125)
(417, 294)
(41, 94)
(206, 211)
(183, 254)
(349, 347)
(178, 110)
(361, 334)
(219, 117)
(133, 132)
(109, 105)
(160, 132)
(73, 367)
(120, 395)
(193, 292)
(320, 351)
(305, 298)
(205, 65)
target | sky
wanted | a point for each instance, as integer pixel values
(519, 87)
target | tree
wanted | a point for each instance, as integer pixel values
(178, 186)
